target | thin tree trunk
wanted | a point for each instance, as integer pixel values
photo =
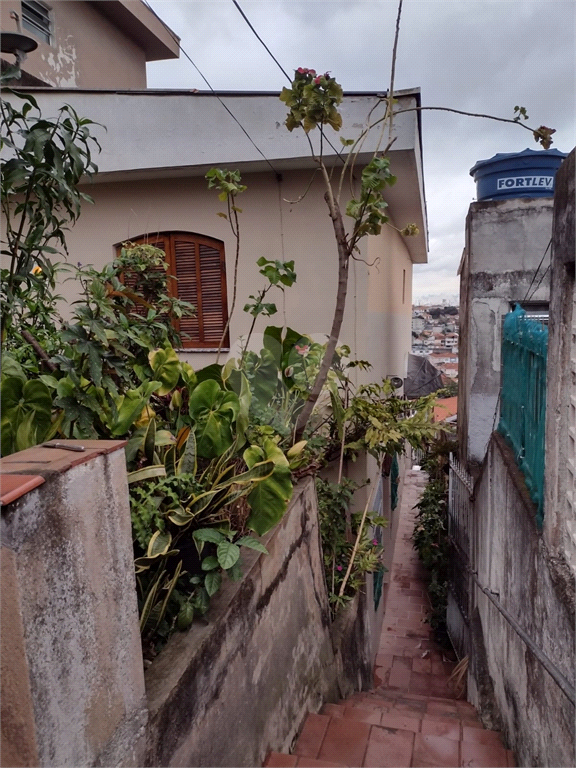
(343, 260)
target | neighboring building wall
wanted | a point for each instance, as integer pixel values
(505, 243)
(560, 485)
(91, 50)
(507, 682)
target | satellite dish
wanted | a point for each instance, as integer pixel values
(18, 44)
(396, 381)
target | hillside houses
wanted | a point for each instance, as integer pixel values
(435, 333)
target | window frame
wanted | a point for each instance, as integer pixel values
(44, 33)
(169, 236)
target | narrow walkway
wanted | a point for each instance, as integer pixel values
(411, 718)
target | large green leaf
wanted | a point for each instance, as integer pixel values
(165, 368)
(269, 499)
(130, 406)
(227, 554)
(187, 464)
(213, 410)
(213, 582)
(265, 379)
(26, 413)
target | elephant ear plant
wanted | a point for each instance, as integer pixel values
(197, 488)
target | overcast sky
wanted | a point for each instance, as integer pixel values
(476, 55)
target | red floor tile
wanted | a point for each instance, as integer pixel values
(394, 719)
(435, 752)
(309, 762)
(345, 741)
(278, 760)
(478, 736)
(442, 708)
(447, 727)
(364, 715)
(311, 736)
(388, 748)
(483, 755)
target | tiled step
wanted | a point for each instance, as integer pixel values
(279, 760)
(351, 735)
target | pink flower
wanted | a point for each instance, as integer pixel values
(302, 71)
(312, 72)
(375, 541)
(317, 80)
(338, 567)
(302, 350)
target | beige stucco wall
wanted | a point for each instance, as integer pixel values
(87, 50)
(377, 318)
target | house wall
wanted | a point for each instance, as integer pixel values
(507, 682)
(505, 243)
(87, 50)
(378, 309)
(560, 486)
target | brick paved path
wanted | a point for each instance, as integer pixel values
(411, 717)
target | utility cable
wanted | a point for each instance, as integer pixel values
(247, 20)
(539, 282)
(280, 66)
(538, 269)
(232, 115)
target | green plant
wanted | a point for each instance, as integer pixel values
(46, 158)
(338, 541)
(430, 539)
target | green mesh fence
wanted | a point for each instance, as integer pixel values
(523, 398)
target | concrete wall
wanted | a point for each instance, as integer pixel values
(508, 683)
(90, 48)
(73, 685)
(226, 693)
(505, 243)
(223, 694)
(560, 489)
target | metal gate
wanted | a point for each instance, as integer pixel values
(460, 531)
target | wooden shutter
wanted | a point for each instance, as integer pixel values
(199, 266)
(201, 280)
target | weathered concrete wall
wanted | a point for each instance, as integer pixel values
(226, 693)
(70, 616)
(505, 243)
(560, 490)
(513, 561)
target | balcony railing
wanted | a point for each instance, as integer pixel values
(523, 398)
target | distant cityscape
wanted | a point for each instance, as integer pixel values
(435, 334)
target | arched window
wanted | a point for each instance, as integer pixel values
(198, 264)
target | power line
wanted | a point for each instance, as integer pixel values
(279, 65)
(247, 20)
(537, 270)
(539, 281)
(232, 115)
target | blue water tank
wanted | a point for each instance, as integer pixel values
(517, 174)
